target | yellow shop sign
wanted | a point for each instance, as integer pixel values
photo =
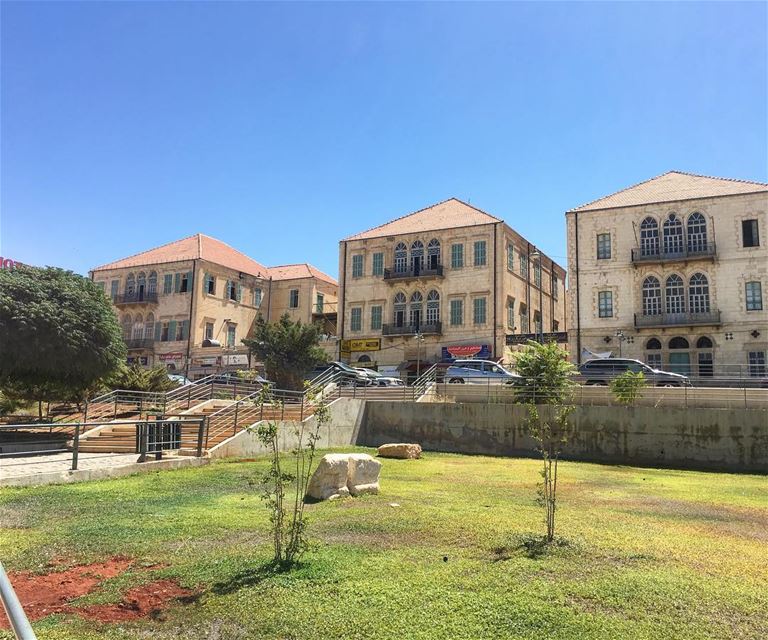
(373, 344)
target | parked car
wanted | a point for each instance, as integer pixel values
(182, 381)
(232, 377)
(601, 371)
(479, 371)
(385, 381)
(348, 375)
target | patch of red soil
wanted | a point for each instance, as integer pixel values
(45, 594)
(148, 600)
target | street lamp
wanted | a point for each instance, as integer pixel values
(620, 335)
(536, 257)
(419, 339)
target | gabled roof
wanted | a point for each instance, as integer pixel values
(448, 214)
(672, 187)
(198, 246)
(301, 270)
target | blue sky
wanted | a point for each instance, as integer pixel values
(282, 128)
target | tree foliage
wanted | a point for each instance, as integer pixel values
(288, 350)
(58, 334)
(628, 387)
(546, 374)
(138, 378)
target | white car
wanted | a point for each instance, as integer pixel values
(479, 372)
(384, 381)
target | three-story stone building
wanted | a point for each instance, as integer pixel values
(673, 271)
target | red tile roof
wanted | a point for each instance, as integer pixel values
(198, 246)
(672, 187)
(449, 214)
(301, 270)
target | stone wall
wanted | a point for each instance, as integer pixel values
(707, 439)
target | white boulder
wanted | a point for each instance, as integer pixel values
(363, 474)
(341, 474)
(402, 450)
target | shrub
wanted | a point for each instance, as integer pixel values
(628, 387)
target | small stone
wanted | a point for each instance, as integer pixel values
(402, 450)
(393, 504)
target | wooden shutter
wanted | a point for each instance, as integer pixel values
(172, 330)
(158, 330)
(239, 293)
(177, 282)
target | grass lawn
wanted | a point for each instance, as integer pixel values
(651, 554)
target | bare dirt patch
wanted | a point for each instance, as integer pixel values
(50, 593)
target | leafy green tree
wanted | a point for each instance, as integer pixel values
(138, 378)
(58, 334)
(288, 350)
(628, 387)
(547, 380)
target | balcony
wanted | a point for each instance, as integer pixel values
(705, 251)
(677, 319)
(434, 329)
(140, 343)
(410, 274)
(325, 308)
(135, 298)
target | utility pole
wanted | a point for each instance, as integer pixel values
(536, 257)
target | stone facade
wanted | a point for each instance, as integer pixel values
(467, 290)
(703, 327)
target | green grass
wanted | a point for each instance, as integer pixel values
(649, 554)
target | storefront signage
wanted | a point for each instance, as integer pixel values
(237, 359)
(372, 344)
(522, 338)
(165, 357)
(479, 351)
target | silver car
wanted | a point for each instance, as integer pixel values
(479, 372)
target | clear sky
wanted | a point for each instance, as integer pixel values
(282, 128)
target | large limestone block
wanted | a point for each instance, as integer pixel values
(400, 450)
(363, 474)
(330, 478)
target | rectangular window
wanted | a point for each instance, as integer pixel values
(478, 311)
(376, 318)
(231, 334)
(181, 333)
(605, 304)
(231, 290)
(750, 233)
(754, 296)
(293, 299)
(114, 288)
(524, 266)
(258, 296)
(184, 287)
(510, 257)
(102, 285)
(537, 322)
(457, 313)
(356, 319)
(525, 326)
(357, 266)
(319, 303)
(757, 366)
(537, 274)
(603, 246)
(168, 283)
(210, 285)
(653, 360)
(480, 257)
(457, 256)
(165, 331)
(555, 325)
(378, 264)
(511, 314)
(209, 330)
(554, 286)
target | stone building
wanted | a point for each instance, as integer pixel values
(446, 281)
(672, 271)
(188, 304)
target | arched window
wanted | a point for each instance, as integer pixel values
(649, 237)
(704, 343)
(417, 256)
(401, 257)
(364, 358)
(417, 301)
(674, 294)
(149, 326)
(678, 343)
(152, 282)
(651, 296)
(433, 254)
(653, 344)
(653, 357)
(399, 309)
(705, 358)
(673, 235)
(127, 323)
(433, 307)
(697, 233)
(130, 285)
(138, 327)
(698, 293)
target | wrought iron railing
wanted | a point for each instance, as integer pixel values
(433, 328)
(140, 343)
(659, 254)
(135, 298)
(423, 272)
(677, 319)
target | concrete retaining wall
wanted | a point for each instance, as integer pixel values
(717, 439)
(346, 416)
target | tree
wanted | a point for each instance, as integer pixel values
(138, 378)
(547, 381)
(628, 387)
(288, 350)
(58, 334)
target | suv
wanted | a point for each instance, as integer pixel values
(348, 375)
(479, 371)
(601, 371)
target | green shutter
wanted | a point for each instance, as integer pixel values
(158, 330)
(239, 293)
(205, 283)
(172, 330)
(184, 329)
(176, 282)
(189, 281)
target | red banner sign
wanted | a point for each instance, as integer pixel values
(465, 350)
(7, 263)
(170, 356)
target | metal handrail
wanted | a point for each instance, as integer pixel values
(13, 609)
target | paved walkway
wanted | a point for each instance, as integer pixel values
(15, 468)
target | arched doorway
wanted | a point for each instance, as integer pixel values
(679, 356)
(705, 357)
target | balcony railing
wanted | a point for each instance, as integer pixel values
(705, 251)
(134, 298)
(325, 308)
(140, 343)
(423, 272)
(677, 319)
(432, 329)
